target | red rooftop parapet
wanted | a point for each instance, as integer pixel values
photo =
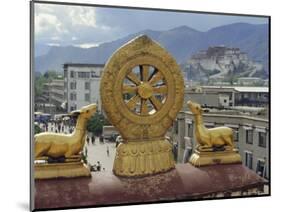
(185, 182)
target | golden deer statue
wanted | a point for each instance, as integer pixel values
(209, 139)
(56, 145)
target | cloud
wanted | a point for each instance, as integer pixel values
(48, 24)
(60, 22)
(87, 45)
(87, 26)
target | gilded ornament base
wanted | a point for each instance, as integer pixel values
(61, 170)
(205, 158)
(142, 158)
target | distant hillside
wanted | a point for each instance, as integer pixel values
(181, 42)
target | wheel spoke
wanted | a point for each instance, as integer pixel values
(155, 102)
(133, 102)
(129, 89)
(144, 72)
(134, 78)
(156, 78)
(144, 107)
(160, 89)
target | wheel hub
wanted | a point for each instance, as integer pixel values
(145, 90)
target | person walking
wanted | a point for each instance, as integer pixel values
(107, 151)
(98, 166)
(87, 139)
(93, 139)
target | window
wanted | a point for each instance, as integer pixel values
(249, 136)
(209, 125)
(72, 74)
(236, 136)
(84, 74)
(87, 85)
(73, 96)
(186, 155)
(261, 168)
(94, 74)
(72, 108)
(249, 159)
(176, 126)
(73, 85)
(190, 130)
(87, 97)
(262, 139)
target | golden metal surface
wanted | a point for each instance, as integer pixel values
(143, 158)
(58, 144)
(203, 158)
(215, 145)
(58, 170)
(141, 92)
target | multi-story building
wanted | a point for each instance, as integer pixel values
(56, 93)
(251, 136)
(227, 96)
(52, 99)
(81, 84)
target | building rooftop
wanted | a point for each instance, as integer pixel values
(240, 88)
(185, 182)
(65, 65)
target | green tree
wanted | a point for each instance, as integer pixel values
(40, 80)
(36, 129)
(38, 85)
(51, 74)
(96, 124)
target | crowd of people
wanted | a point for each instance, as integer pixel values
(57, 126)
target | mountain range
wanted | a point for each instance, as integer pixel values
(181, 42)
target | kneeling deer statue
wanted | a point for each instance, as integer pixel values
(61, 145)
(209, 139)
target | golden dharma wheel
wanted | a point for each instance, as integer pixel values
(142, 91)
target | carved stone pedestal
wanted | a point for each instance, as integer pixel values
(61, 170)
(142, 158)
(200, 158)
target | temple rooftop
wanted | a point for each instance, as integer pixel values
(185, 182)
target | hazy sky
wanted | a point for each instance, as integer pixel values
(88, 26)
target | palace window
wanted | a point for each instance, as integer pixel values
(84, 74)
(87, 97)
(261, 168)
(190, 130)
(72, 74)
(94, 74)
(87, 85)
(262, 139)
(249, 159)
(73, 85)
(249, 136)
(73, 96)
(236, 135)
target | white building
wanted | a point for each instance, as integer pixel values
(218, 96)
(81, 84)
